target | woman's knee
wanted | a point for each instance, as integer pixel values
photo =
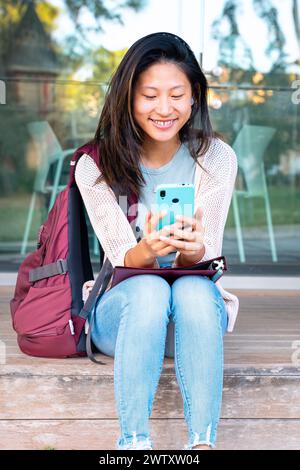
(147, 294)
(198, 298)
(194, 289)
(144, 287)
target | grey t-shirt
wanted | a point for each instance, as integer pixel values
(181, 169)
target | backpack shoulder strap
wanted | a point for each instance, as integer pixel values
(95, 295)
(92, 150)
(91, 303)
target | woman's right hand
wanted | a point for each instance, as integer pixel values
(154, 245)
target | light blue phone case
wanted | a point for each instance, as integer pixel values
(178, 200)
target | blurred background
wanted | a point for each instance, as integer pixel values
(56, 58)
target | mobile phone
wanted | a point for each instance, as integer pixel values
(176, 199)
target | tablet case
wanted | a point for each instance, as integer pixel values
(213, 269)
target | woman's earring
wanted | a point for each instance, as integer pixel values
(192, 101)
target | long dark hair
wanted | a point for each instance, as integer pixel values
(119, 138)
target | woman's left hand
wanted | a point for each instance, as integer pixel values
(186, 235)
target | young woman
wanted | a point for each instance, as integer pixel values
(148, 135)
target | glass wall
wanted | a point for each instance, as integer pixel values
(52, 87)
(263, 127)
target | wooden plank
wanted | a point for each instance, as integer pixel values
(166, 434)
(267, 328)
(73, 397)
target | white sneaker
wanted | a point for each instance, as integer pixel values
(137, 445)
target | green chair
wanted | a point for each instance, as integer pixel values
(249, 146)
(50, 154)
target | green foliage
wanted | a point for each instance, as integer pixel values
(77, 45)
(105, 63)
(11, 13)
(76, 48)
(231, 41)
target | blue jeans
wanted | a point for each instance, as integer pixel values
(132, 320)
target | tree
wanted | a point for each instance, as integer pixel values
(11, 13)
(275, 49)
(76, 46)
(234, 51)
(99, 10)
(231, 41)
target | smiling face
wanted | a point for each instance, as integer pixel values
(162, 101)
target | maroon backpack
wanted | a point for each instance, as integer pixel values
(47, 310)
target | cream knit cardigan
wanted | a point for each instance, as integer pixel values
(213, 192)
